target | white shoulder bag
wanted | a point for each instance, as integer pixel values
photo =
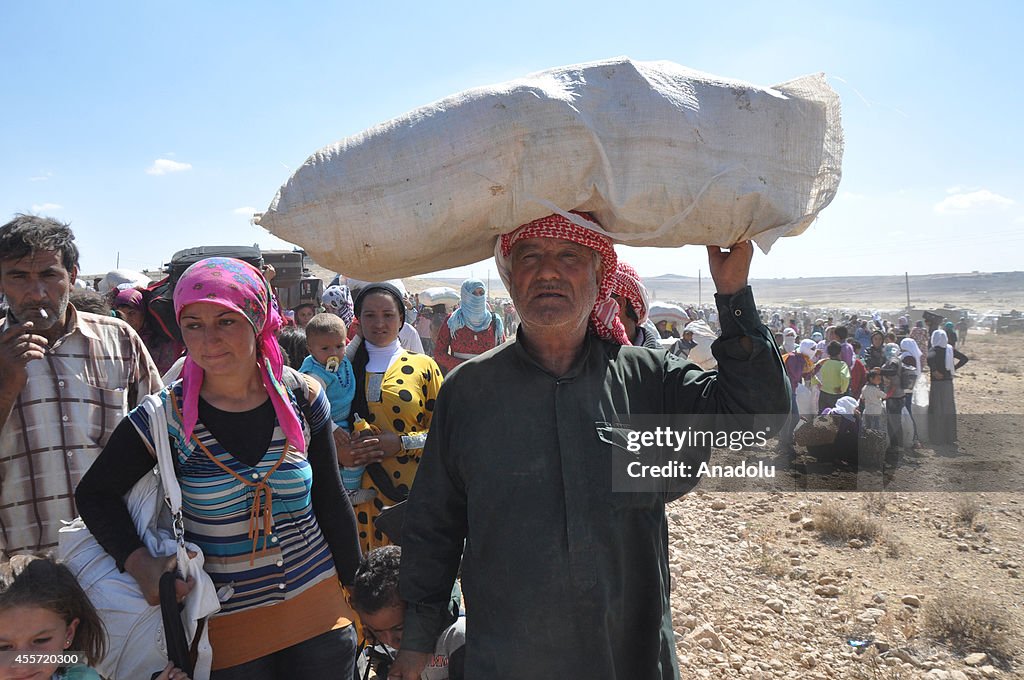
(136, 645)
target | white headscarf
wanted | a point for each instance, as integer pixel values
(808, 347)
(845, 406)
(910, 349)
(789, 340)
(939, 339)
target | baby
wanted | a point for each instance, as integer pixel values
(326, 340)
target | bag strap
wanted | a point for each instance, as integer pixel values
(154, 406)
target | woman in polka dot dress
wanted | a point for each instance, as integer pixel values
(395, 393)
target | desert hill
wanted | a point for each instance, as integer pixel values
(980, 291)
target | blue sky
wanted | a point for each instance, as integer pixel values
(153, 127)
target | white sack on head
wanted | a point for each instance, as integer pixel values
(440, 295)
(703, 336)
(661, 155)
(667, 311)
(116, 277)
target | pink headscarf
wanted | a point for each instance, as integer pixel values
(604, 318)
(240, 287)
(129, 297)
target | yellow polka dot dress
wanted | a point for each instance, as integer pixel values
(408, 392)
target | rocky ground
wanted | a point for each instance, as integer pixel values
(763, 588)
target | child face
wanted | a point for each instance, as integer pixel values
(323, 346)
(875, 379)
(35, 630)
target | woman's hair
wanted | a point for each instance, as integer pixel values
(292, 340)
(34, 581)
(86, 300)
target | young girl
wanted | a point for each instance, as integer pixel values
(44, 612)
(872, 401)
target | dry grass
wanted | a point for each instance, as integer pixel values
(895, 547)
(874, 503)
(967, 509)
(969, 624)
(837, 521)
(766, 558)
(873, 666)
(1009, 369)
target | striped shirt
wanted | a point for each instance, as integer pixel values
(74, 398)
(288, 556)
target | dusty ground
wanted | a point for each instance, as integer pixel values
(759, 592)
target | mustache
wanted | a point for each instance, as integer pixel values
(544, 288)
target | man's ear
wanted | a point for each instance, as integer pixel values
(73, 274)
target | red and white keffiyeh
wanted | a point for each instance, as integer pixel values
(604, 318)
(629, 285)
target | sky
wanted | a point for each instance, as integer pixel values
(153, 127)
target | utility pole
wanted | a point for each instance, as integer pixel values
(906, 276)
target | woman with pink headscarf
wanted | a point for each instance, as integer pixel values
(260, 488)
(164, 350)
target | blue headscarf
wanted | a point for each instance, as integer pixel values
(472, 312)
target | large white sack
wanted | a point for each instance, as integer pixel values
(661, 154)
(704, 337)
(667, 311)
(116, 277)
(440, 295)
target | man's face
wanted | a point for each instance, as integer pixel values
(385, 624)
(554, 282)
(35, 283)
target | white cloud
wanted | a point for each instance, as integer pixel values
(963, 202)
(246, 210)
(42, 177)
(38, 208)
(162, 166)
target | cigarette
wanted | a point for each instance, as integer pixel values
(43, 315)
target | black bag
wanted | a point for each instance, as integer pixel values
(390, 521)
(179, 651)
(159, 296)
(183, 259)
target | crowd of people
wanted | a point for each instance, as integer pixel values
(864, 372)
(293, 434)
